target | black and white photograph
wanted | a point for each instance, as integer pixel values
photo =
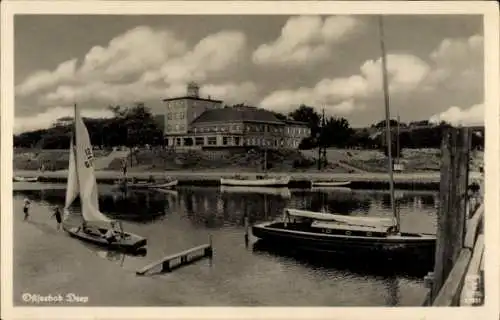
(250, 156)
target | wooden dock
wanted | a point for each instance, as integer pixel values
(171, 262)
(458, 276)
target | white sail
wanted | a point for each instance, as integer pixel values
(72, 189)
(320, 216)
(86, 175)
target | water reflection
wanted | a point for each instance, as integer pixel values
(140, 206)
(212, 208)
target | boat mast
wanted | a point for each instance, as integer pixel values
(73, 149)
(397, 141)
(388, 124)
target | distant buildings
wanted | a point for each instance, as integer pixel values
(193, 122)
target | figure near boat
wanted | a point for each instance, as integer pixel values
(26, 208)
(58, 216)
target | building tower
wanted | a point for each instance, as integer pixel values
(193, 90)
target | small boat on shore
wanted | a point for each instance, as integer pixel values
(283, 192)
(25, 179)
(333, 184)
(95, 227)
(258, 182)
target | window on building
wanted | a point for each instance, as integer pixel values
(169, 116)
(176, 127)
(182, 115)
(212, 141)
(178, 141)
(237, 141)
(195, 130)
(225, 141)
(199, 141)
(223, 129)
(238, 128)
(169, 127)
(182, 127)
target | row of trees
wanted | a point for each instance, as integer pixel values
(134, 126)
(336, 132)
(130, 127)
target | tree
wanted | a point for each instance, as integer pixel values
(336, 132)
(307, 114)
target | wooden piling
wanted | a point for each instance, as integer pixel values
(452, 211)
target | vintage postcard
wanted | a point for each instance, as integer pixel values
(324, 160)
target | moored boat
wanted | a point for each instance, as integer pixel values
(324, 184)
(147, 184)
(264, 182)
(315, 232)
(25, 179)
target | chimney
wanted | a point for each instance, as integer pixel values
(193, 90)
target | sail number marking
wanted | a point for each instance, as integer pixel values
(89, 158)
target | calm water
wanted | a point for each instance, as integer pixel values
(241, 272)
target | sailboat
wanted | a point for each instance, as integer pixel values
(82, 182)
(319, 231)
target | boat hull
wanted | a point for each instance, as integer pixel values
(131, 242)
(25, 179)
(340, 241)
(167, 185)
(273, 182)
(330, 184)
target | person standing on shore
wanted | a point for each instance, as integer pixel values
(57, 214)
(26, 208)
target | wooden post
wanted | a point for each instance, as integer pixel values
(452, 211)
(165, 266)
(209, 252)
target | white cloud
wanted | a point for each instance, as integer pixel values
(306, 39)
(155, 63)
(44, 79)
(231, 93)
(134, 52)
(458, 116)
(47, 118)
(456, 64)
(343, 94)
(211, 55)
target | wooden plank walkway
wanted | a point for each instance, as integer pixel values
(183, 258)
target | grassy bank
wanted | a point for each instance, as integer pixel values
(159, 160)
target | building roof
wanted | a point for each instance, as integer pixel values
(240, 114)
(192, 98)
(302, 123)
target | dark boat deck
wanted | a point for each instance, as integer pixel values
(301, 235)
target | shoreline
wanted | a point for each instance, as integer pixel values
(372, 180)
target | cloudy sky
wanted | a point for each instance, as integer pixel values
(276, 62)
